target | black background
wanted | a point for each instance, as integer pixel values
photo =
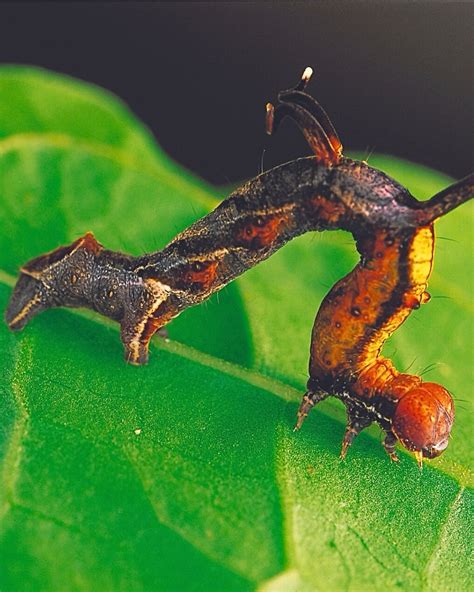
(394, 77)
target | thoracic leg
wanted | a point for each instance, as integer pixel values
(355, 424)
(389, 444)
(310, 399)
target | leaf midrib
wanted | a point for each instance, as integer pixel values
(120, 157)
(462, 475)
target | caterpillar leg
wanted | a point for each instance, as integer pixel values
(389, 444)
(135, 341)
(136, 333)
(355, 425)
(310, 399)
(150, 312)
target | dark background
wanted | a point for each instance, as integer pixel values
(394, 77)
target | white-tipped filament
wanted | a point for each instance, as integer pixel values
(308, 72)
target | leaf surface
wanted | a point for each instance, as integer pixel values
(186, 475)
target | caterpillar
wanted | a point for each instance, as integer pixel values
(326, 191)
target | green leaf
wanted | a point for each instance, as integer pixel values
(186, 475)
(38, 103)
(34, 101)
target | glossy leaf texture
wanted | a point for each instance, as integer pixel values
(186, 475)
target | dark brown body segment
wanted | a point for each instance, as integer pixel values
(393, 233)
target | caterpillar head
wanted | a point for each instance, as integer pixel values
(423, 417)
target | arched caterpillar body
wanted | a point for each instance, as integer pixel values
(394, 236)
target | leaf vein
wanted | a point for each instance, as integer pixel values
(284, 391)
(443, 532)
(13, 456)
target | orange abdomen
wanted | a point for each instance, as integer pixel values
(364, 308)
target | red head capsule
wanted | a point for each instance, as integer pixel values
(423, 419)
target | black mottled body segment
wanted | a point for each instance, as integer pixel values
(393, 233)
(267, 212)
